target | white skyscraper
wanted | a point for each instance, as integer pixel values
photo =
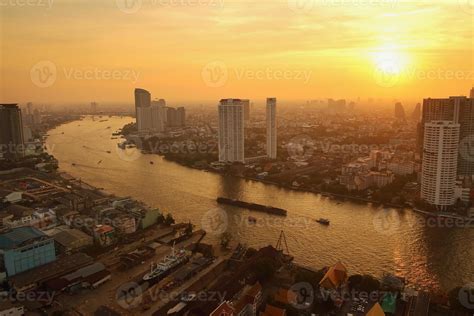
(440, 162)
(231, 130)
(271, 129)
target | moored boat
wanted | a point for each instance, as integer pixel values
(167, 265)
(323, 221)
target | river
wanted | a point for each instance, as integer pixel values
(365, 238)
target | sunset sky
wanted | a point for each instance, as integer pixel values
(201, 50)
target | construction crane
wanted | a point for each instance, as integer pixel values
(282, 242)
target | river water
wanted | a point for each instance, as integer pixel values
(365, 238)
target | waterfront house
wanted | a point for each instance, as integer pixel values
(335, 277)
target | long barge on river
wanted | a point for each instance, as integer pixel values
(252, 206)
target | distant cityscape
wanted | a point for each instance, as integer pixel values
(61, 235)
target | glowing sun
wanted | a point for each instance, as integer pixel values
(390, 61)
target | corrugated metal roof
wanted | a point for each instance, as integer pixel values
(85, 272)
(19, 235)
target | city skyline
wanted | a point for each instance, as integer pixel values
(237, 157)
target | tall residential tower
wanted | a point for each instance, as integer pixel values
(271, 128)
(440, 163)
(231, 130)
(11, 132)
(142, 109)
(459, 110)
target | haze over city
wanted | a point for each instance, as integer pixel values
(237, 158)
(302, 49)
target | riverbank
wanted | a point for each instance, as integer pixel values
(356, 233)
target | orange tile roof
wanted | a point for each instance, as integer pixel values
(273, 311)
(285, 296)
(335, 276)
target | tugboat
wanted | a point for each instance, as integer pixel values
(323, 221)
(167, 265)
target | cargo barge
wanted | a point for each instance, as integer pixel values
(252, 206)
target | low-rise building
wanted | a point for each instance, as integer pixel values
(25, 248)
(8, 308)
(104, 235)
(401, 168)
(72, 240)
(11, 197)
(40, 275)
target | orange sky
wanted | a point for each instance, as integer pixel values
(193, 50)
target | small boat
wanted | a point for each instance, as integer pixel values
(323, 221)
(100, 161)
(167, 265)
(252, 219)
(151, 162)
(73, 164)
(108, 151)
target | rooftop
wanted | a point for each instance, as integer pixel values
(69, 237)
(51, 270)
(18, 236)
